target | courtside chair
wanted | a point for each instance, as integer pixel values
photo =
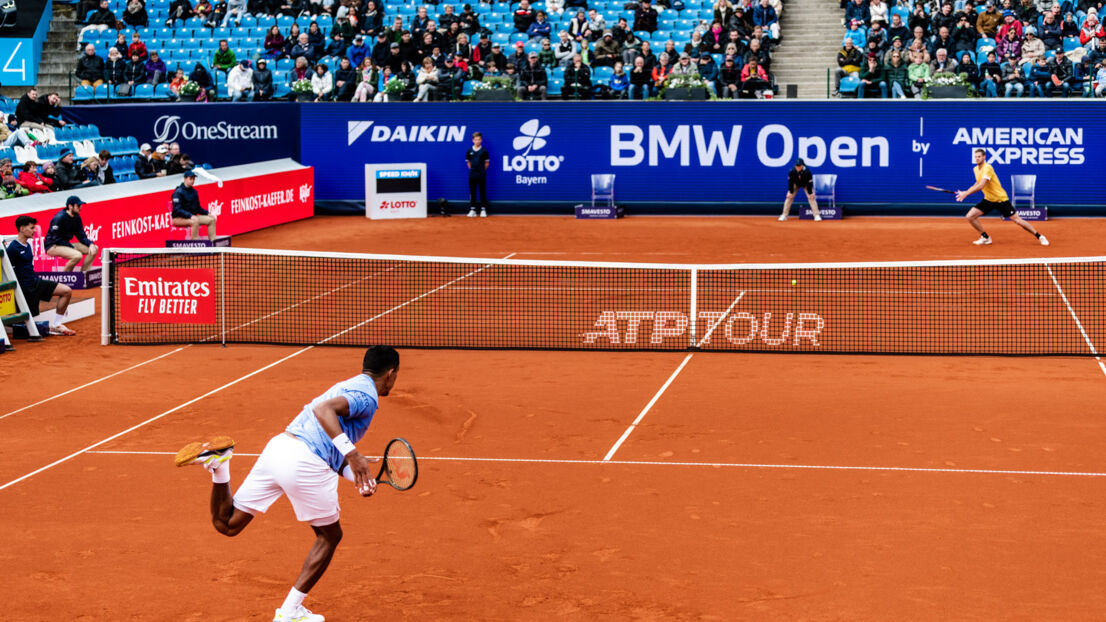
(1023, 187)
(602, 188)
(825, 188)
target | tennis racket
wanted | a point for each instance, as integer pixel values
(398, 469)
(940, 189)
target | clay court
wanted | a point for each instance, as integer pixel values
(753, 487)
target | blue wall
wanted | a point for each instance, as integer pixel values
(674, 156)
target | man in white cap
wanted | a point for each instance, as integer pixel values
(144, 164)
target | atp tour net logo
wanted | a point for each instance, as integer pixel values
(532, 137)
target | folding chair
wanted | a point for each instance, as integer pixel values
(825, 188)
(1023, 187)
(602, 187)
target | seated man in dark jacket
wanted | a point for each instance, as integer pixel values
(577, 80)
(532, 79)
(144, 165)
(90, 67)
(68, 176)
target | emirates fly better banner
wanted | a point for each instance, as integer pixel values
(167, 295)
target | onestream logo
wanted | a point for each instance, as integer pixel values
(168, 128)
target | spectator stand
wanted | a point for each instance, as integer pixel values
(193, 41)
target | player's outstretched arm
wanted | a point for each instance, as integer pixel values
(976, 187)
(328, 413)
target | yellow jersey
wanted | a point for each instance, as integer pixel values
(992, 188)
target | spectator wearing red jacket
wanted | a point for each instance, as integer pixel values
(33, 181)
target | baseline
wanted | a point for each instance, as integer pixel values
(714, 465)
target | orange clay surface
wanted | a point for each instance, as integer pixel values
(719, 505)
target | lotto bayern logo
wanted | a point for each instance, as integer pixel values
(532, 137)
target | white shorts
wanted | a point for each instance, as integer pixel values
(288, 466)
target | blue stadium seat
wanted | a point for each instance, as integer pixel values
(161, 91)
(248, 21)
(266, 21)
(986, 44)
(555, 87)
(144, 91)
(602, 75)
(101, 93)
(1070, 43)
(849, 85)
(466, 90)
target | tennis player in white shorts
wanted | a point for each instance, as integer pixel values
(303, 462)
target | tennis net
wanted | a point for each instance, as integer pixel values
(233, 295)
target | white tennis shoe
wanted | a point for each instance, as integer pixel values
(483, 213)
(210, 454)
(299, 614)
(982, 241)
(472, 212)
(782, 219)
(1044, 240)
(817, 218)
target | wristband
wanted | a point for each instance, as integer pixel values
(343, 444)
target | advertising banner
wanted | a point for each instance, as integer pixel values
(687, 153)
(167, 295)
(142, 221)
(219, 134)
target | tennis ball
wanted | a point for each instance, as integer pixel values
(794, 282)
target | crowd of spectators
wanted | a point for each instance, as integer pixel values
(32, 125)
(1002, 48)
(368, 55)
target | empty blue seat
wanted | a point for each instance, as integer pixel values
(144, 91)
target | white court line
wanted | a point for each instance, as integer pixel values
(717, 322)
(153, 419)
(97, 381)
(213, 391)
(648, 406)
(735, 465)
(1075, 317)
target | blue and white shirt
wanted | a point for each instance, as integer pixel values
(360, 393)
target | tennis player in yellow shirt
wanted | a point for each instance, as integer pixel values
(994, 198)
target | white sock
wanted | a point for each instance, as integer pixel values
(294, 599)
(221, 474)
(57, 319)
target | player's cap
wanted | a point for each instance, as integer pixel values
(74, 200)
(163, 148)
(190, 173)
(799, 162)
(533, 54)
(607, 33)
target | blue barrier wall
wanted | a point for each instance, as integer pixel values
(688, 154)
(220, 134)
(672, 156)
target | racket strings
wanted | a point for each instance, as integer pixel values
(401, 468)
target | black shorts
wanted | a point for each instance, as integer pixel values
(1004, 207)
(43, 290)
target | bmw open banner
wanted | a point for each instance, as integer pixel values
(681, 153)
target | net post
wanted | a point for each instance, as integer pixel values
(223, 298)
(694, 303)
(105, 297)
